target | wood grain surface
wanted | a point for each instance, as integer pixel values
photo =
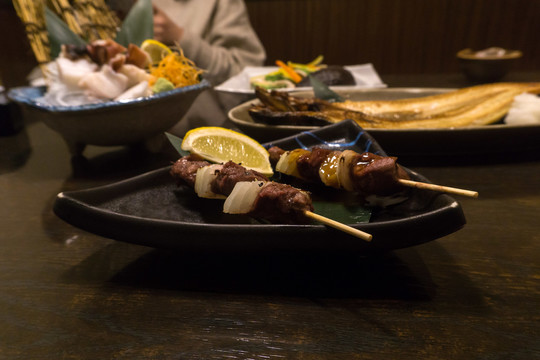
(69, 294)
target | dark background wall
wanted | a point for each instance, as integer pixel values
(396, 36)
(16, 57)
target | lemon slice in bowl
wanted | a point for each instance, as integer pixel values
(155, 49)
(219, 145)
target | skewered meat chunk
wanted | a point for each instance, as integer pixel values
(281, 203)
(275, 153)
(364, 173)
(374, 174)
(310, 162)
(232, 173)
(184, 170)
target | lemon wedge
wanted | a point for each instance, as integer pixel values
(155, 49)
(219, 145)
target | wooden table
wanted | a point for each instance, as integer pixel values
(69, 294)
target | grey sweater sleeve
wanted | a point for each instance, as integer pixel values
(226, 43)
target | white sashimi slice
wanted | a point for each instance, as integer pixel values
(140, 90)
(105, 83)
(241, 199)
(70, 72)
(134, 74)
(203, 182)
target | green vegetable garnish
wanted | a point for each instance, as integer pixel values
(275, 76)
(161, 85)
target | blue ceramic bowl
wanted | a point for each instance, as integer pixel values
(110, 123)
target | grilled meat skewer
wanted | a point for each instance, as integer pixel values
(366, 173)
(255, 195)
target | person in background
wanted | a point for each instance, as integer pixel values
(217, 35)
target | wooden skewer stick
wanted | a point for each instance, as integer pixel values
(337, 225)
(445, 189)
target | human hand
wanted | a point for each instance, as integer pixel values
(165, 30)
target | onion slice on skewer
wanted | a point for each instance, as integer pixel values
(203, 181)
(344, 170)
(241, 199)
(287, 162)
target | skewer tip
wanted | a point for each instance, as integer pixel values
(440, 188)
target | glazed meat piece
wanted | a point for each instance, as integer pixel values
(184, 170)
(309, 163)
(101, 51)
(230, 174)
(275, 153)
(137, 57)
(374, 174)
(281, 203)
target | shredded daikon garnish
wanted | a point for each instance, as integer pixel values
(524, 110)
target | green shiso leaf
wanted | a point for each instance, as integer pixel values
(346, 214)
(322, 91)
(177, 144)
(138, 24)
(137, 27)
(59, 33)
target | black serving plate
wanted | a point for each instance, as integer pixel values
(152, 210)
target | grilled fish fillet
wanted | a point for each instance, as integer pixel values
(470, 106)
(476, 105)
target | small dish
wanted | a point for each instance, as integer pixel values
(109, 123)
(487, 65)
(364, 75)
